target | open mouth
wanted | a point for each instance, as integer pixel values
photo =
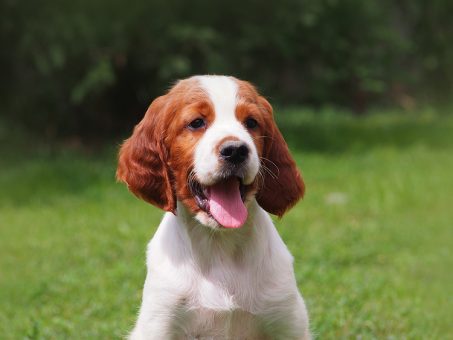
(223, 201)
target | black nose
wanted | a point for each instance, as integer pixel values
(234, 152)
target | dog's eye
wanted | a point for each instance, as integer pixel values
(251, 123)
(197, 124)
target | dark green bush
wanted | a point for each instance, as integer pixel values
(91, 67)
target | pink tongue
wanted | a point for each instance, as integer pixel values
(225, 204)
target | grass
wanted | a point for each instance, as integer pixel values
(372, 239)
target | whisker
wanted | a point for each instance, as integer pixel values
(191, 177)
(263, 137)
(260, 179)
(270, 171)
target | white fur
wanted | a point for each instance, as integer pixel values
(230, 284)
(204, 283)
(223, 94)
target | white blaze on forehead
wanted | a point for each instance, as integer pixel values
(223, 93)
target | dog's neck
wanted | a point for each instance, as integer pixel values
(208, 245)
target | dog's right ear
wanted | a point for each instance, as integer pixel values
(142, 161)
(283, 185)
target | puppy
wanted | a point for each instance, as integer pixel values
(209, 153)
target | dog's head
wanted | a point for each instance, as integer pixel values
(211, 143)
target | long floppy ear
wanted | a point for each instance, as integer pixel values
(142, 161)
(283, 185)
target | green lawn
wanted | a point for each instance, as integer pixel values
(372, 239)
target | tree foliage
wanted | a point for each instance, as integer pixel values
(92, 66)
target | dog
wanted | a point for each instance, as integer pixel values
(209, 153)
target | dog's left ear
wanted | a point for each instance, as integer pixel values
(142, 161)
(283, 185)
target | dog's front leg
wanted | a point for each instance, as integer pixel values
(161, 316)
(298, 320)
(286, 319)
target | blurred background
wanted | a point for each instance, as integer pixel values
(90, 68)
(362, 91)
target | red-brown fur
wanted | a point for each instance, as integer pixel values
(283, 186)
(156, 161)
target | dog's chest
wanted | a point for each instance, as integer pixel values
(234, 324)
(224, 307)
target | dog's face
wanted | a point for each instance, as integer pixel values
(211, 143)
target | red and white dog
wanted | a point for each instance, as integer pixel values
(209, 153)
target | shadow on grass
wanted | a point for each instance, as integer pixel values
(336, 133)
